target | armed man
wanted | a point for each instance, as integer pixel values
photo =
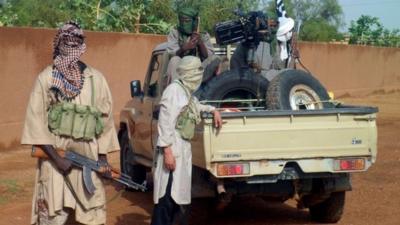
(70, 108)
(186, 40)
(179, 113)
(274, 52)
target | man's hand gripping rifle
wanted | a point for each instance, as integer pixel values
(89, 165)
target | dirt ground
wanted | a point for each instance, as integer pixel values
(375, 198)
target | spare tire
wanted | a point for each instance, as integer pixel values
(235, 85)
(296, 90)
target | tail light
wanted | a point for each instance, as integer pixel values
(349, 164)
(233, 169)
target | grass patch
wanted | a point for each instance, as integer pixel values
(9, 189)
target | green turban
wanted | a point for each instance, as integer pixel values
(187, 20)
(189, 12)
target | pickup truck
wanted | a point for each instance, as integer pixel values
(296, 145)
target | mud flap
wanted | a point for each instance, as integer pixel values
(336, 184)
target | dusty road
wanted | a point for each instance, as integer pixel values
(375, 198)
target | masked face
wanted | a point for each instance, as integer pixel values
(186, 24)
(190, 72)
(192, 78)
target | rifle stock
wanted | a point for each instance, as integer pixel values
(38, 152)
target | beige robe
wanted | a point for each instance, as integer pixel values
(173, 100)
(173, 47)
(36, 132)
(173, 42)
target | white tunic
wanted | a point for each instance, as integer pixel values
(173, 100)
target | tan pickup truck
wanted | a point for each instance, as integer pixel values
(294, 144)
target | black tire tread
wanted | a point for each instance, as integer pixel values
(330, 210)
(233, 79)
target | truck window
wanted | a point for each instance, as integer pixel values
(154, 76)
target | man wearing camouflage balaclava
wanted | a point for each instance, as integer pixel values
(186, 39)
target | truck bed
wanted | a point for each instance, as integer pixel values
(304, 137)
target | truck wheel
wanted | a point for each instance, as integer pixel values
(330, 210)
(135, 171)
(296, 90)
(235, 85)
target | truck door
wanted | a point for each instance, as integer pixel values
(163, 82)
(143, 142)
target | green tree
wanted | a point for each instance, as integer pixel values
(368, 30)
(138, 16)
(102, 15)
(30, 13)
(390, 38)
(212, 12)
(7, 16)
(111, 15)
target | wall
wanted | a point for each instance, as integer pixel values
(354, 70)
(24, 52)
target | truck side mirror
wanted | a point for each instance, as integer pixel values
(136, 89)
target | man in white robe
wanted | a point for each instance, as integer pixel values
(173, 172)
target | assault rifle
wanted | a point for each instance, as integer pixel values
(89, 165)
(294, 52)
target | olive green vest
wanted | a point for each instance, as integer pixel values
(80, 122)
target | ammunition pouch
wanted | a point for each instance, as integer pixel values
(186, 123)
(81, 122)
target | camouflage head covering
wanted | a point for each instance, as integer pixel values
(188, 19)
(188, 11)
(68, 47)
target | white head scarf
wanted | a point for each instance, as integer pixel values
(284, 34)
(190, 72)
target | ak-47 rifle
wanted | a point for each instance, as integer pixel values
(89, 165)
(294, 52)
(198, 25)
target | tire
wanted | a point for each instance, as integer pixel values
(296, 90)
(330, 210)
(136, 171)
(235, 85)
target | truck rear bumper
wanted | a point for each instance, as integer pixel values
(291, 169)
(285, 189)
